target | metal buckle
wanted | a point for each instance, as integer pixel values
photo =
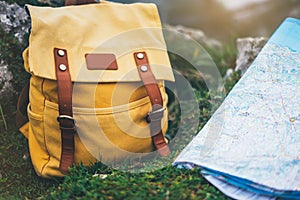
(60, 117)
(157, 114)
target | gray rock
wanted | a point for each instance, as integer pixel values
(194, 34)
(52, 2)
(248, 49)
(295, 12)
(228, 74)
(5, 80)
(14, 20)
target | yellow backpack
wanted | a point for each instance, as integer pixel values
(97, 86)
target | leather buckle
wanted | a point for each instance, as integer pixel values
(67, 124)
(157, 114)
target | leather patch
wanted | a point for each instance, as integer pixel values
(101, 61)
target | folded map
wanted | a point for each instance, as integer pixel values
(250, 148)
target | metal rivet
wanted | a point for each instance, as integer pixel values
(62, 67)
(166, 140)
(140, 56)
(144, 68)
(61, 53)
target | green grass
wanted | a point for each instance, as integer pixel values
(17, 178)
(3, 120)
(167, 183)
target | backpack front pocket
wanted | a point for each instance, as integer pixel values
(106, 134)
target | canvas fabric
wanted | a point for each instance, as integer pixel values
(110, 106)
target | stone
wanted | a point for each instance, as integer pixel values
(51, 2)
(5, 80)
(194, 34)
(14, 20)
(228, 73)
(248, 49)
(295, 12)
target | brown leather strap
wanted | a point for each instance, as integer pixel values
(65, 118)
(23, 100)
(154, 94)
(79, 2)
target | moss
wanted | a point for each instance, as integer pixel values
(167, 183)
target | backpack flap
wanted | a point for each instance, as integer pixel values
(100, 40)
